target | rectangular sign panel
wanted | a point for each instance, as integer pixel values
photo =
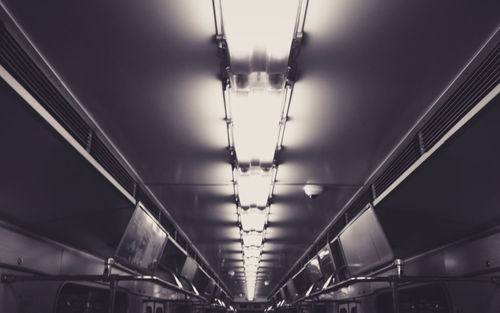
(142, 243)
(364, 243)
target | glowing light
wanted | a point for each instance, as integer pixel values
(250, 291)
(256, 116)
(253, 219)
(249, 252)
(251, 269)
(259, 36)
(252, 238)
(259, 32)
(315, 262)
(253, 187)
(323, 253)
(252, 261)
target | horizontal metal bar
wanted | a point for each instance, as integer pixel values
(9, 278)
(416, 279)
(402, 279)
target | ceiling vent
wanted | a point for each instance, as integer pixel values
(475, 87)
(19, 64)
(477, 84)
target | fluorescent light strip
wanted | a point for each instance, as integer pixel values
(252, 238)
(256, 116)
(259, 31)
(253, 186)
(249, 252)
(257, 100)
(253, 219)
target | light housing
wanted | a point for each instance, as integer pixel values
(259, 33)
(249, 252)
(252, 261)
(255, 115)
(253, 219)
(254, 186)
(252, 238)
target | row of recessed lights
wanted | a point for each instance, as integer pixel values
(259, 35)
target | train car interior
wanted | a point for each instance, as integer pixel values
(213, 156)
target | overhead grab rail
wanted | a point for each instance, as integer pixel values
(106, 276)
(395, 281)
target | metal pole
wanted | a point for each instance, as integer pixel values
(395, 296)
(399, 267)
(112, 294)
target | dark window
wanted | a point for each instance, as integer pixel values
(422, 299)
(337, 254)
(75, 298)
(159, 310)
(200, 280)
(149, 309)
(287, 293)
(173, 258)
(354, 310)
(343, 310)
(301, 283)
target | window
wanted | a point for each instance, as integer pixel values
(422, 299)
(74, 298)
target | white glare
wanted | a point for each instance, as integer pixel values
(249, 252)
(256, 116)
(253, 219)
(259, 31)
(252, 238)
(253, 187)
(252, 261)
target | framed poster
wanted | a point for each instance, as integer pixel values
(142, 243)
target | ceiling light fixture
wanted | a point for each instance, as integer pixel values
(256, 38)
(249, 252)
(252, 238)
(255, 117)
(259, 33)
(253, 186)
(253, 219)
(252, 261)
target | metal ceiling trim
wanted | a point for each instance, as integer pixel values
(23, 93)
(490, 96)
(432, 108)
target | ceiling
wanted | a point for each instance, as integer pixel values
(147, 72)
(451, 204)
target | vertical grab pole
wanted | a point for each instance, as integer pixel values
(395, 296)
(108, 265)
(112, 294)
(394, 284)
